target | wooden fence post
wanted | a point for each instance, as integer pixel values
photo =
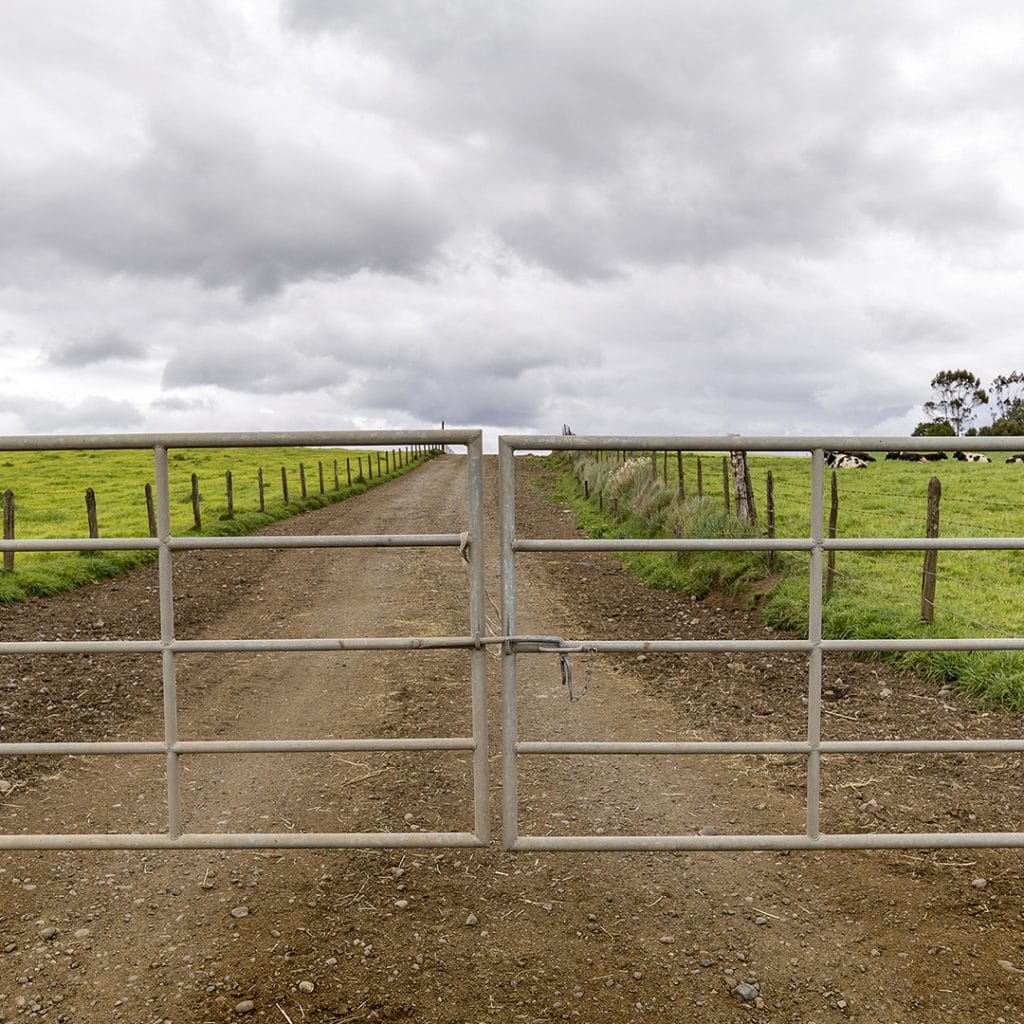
(360, 477)
(770, 513)
(679, 467)
(725, 483)
(743, 491)
(150, 510)
(664, 468)
(229, 487)
(348, 471)
(259, 483)
(284, 484)
(586, 490)
(379, 460)
(90, 511)
(387, 462)
(320, 473)
(197, 518)
(302, 478)
(654, 467)
(9, 528)
(337, 482)
(931, 558)
(700, 478)
(369, 464)
(833, 520)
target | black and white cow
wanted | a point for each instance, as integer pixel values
(971, 457)
(917, 456)
(845, 460)
(1016, 458)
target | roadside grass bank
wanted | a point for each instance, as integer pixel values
(875, 595)
(49, 489)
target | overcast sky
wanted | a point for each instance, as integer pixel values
(660, 216)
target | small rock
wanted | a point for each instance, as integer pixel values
(245, 1006)
(402, 904)
(760, 920)
(1009, 967)
(869, 806)
(667, 939)
(885, 692)
(471, 921)
(746, 992)
(397, 872)
(709, 830)
(239, 911)
(979, 883)
(48, 933)
(307, 986)
(5, 787)
(82, 933)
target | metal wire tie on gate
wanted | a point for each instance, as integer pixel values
(556, 645)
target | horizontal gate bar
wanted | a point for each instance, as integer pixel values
(426, 643)
(398, 540)
(238, 746)
(375, 643)
(261, 439)
(600, 747)
(776, 544)
(409, 540)
(240, 841)
(737, 442)
(855, 841)
(768, 646)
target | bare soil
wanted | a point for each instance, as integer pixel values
(482, 935)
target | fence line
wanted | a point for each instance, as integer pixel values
(392, 463)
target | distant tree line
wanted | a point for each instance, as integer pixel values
(957, 395)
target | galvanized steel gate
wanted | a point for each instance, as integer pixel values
(812, 747)
(173, 748)
(513, 646)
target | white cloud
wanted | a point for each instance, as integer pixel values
(658, 217)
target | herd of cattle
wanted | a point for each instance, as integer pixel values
(860, 460)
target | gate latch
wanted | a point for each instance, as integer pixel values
(563, 648)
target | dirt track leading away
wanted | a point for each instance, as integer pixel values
(481, 935)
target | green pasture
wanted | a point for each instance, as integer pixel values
(875, 594)
(49, 495)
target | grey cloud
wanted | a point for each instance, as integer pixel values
(172, 403)
(92, 414)
(431, 398)
(100, 348)
(215, 199)
(253, 365)
(606, 137)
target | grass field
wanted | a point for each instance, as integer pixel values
(876, 594)
(49, 493)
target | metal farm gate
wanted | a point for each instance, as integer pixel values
(469, 545)
(812, 746)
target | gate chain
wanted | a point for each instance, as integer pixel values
(565, 669)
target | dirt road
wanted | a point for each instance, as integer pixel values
(464, 935)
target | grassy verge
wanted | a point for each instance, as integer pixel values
(876, 594)
(49, 489)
